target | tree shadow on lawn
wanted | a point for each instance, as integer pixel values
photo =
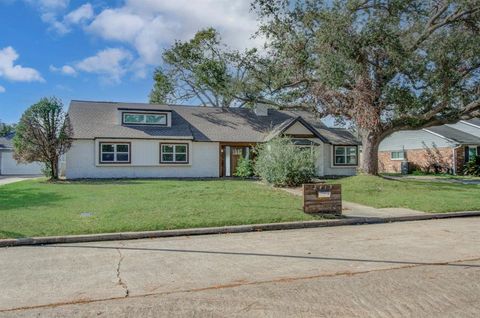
(11, 199)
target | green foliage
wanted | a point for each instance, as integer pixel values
(472, 167)
(43, 134)
(6, 129)
(162, 88)
(244, 168)
(384, 65)
(202, 69)
(282, 164)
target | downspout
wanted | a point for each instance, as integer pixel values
(454, 168)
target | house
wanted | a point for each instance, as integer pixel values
(135, 140)
(443, 148)
(9, 166)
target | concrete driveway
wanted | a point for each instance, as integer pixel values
(415, 269)
(15, 178)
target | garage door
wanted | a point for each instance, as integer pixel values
(9, 166)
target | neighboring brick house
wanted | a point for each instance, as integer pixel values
(443, 148)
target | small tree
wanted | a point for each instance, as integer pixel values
(43, 134)
(281, 163)
(244, 168)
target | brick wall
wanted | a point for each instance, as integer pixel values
(424, 159)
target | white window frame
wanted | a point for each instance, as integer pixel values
(114, 152)
(144, 122)
(334, 156)
(174, 153)
(399, 159)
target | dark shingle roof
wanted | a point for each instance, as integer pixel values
(455, 134)
(99, 119)
(6, 141)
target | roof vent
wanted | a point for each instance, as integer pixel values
(261, 109)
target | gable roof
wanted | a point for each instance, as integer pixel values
(283, 127)
(6, 142)
(99, 120)
(456, 135)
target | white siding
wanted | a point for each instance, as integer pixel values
(9, 166)
(82, 161)
(413, 139)
(330, 169)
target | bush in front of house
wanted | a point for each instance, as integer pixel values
(244, 168)
(472, 167)
(282, 164)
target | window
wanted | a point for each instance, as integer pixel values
(345, 155)
(471, 151)
(397, 155)
(173, 153)
(144, 119)
(114, 152)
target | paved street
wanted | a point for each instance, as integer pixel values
(417, 269)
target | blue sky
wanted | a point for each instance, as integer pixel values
(100, 50)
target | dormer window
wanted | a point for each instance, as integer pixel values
(129, 118)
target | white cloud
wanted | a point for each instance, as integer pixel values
(14, 72)
(66, 69)
(151, 25)
(111, 64)
(49, 4)
(54, 4)
(52, 12)
(117, 25)
(81, 14)
(2, 89)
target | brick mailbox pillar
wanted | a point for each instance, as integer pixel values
(322, 198)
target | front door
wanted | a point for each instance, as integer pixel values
(230, 158)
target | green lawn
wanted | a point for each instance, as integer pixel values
(419, 195)
(40, 208)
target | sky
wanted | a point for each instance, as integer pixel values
(101, 50)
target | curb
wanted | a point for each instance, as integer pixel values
(228, 229)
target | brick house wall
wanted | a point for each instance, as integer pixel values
(424, 160)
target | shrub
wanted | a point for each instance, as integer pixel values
(281, 163)
(244, 168)
(472, 167)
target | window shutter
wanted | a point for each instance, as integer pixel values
(466, 154)
(478, 151)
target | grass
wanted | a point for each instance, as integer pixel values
(418, 195)
(39, 208)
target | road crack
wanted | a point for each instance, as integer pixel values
(119, 277)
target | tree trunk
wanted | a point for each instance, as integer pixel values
(370, 143)
(54, 169)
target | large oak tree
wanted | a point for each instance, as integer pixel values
(385, 65)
